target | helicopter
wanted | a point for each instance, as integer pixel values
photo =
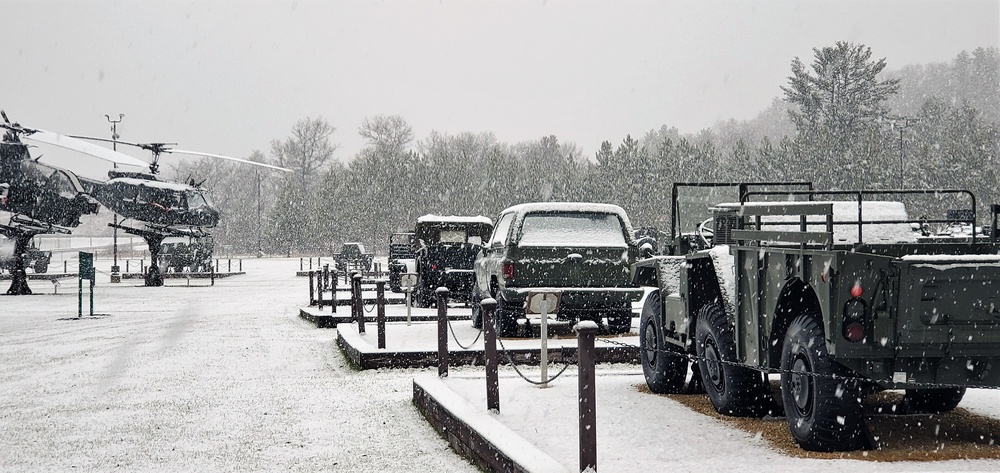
(41, 198)
(164, 208)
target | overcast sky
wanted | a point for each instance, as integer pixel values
(229, 77)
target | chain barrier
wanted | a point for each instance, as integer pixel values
(519, 373)
(860, 379)
(454, 337)
(374, 304)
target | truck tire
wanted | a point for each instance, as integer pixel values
(824, 413)
(931, 401)
(620, 321)
(41, 267)
(665, 373)
(505, 319)
(734, 390)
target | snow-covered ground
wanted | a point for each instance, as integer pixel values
(228, 377)
(198, 379)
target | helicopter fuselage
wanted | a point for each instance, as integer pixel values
(143, 197)
(47, 194)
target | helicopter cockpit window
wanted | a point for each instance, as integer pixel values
(61, 184)
(195, 200)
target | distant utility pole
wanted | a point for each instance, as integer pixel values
(901, 123)
(115, 273)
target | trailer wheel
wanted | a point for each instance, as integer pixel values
(823, 411)
(932, 401)
(664, 372)
(734, 390)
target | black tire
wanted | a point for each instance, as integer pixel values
(824, 413)
(734, 390)
(932, 401)
(505, 319)
(665, 373)
(477, 315)
(620, 321)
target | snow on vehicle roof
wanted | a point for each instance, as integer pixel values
(565, 207)
(846, 213)
(454, 219)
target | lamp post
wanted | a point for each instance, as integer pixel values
(115, 269)
(901, 123)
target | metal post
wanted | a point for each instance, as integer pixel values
(442, 303)
(312, 300)
(359, 308)
(587, 395)
(333, 292)
(300, 264)
(241, 265)
(409, 305)
(116, 276)
(543, 349)
(380, 316)
(486, 309)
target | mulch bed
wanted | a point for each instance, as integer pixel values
(958, 434)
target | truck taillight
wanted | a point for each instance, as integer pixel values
(507, 271)
(855, 312)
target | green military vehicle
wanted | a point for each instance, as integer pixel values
(180, 254)
(841, 298)
(581, 250)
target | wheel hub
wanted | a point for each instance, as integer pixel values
(649, 338)
(713, 365)
(801, 385)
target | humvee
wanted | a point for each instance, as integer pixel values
(840, 298)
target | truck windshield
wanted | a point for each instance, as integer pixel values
(587, 229)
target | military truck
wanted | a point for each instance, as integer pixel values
(352, 256)
(37, 260)
(178, 254)
(444, 249)
(839, 298)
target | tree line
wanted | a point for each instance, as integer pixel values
(843, 122)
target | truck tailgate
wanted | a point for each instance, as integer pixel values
(952, 301)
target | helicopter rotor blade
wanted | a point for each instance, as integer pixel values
(74, 144)
(94, 138)
(210, 155)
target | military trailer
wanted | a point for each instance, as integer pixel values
(840, 298)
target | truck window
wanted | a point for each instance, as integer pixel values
(452, 236)
(585, 229)
(501, 230)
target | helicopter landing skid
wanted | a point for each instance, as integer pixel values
(154, 236)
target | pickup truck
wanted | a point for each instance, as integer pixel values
(581, 250)
(841, 298)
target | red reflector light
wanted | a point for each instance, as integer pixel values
(856, 290)
(854, 332)
(507, 270)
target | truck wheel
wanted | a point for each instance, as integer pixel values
(931, 401)
(734, 390)
(620, 321)
(41, 267)
(664, 372)
(505, 319)
(824, 413)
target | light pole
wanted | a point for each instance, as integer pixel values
(901, 123)
(115, 269)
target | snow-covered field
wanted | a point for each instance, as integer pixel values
(198, 379)
(229, 378)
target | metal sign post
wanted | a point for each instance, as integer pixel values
(408, 281)
(543, 303)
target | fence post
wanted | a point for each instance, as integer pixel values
(300, 264)
(442, 304)
(486, 309)
(588, 399)
(333, 292)
(380, 316)
(312, 300)
(359, 307)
